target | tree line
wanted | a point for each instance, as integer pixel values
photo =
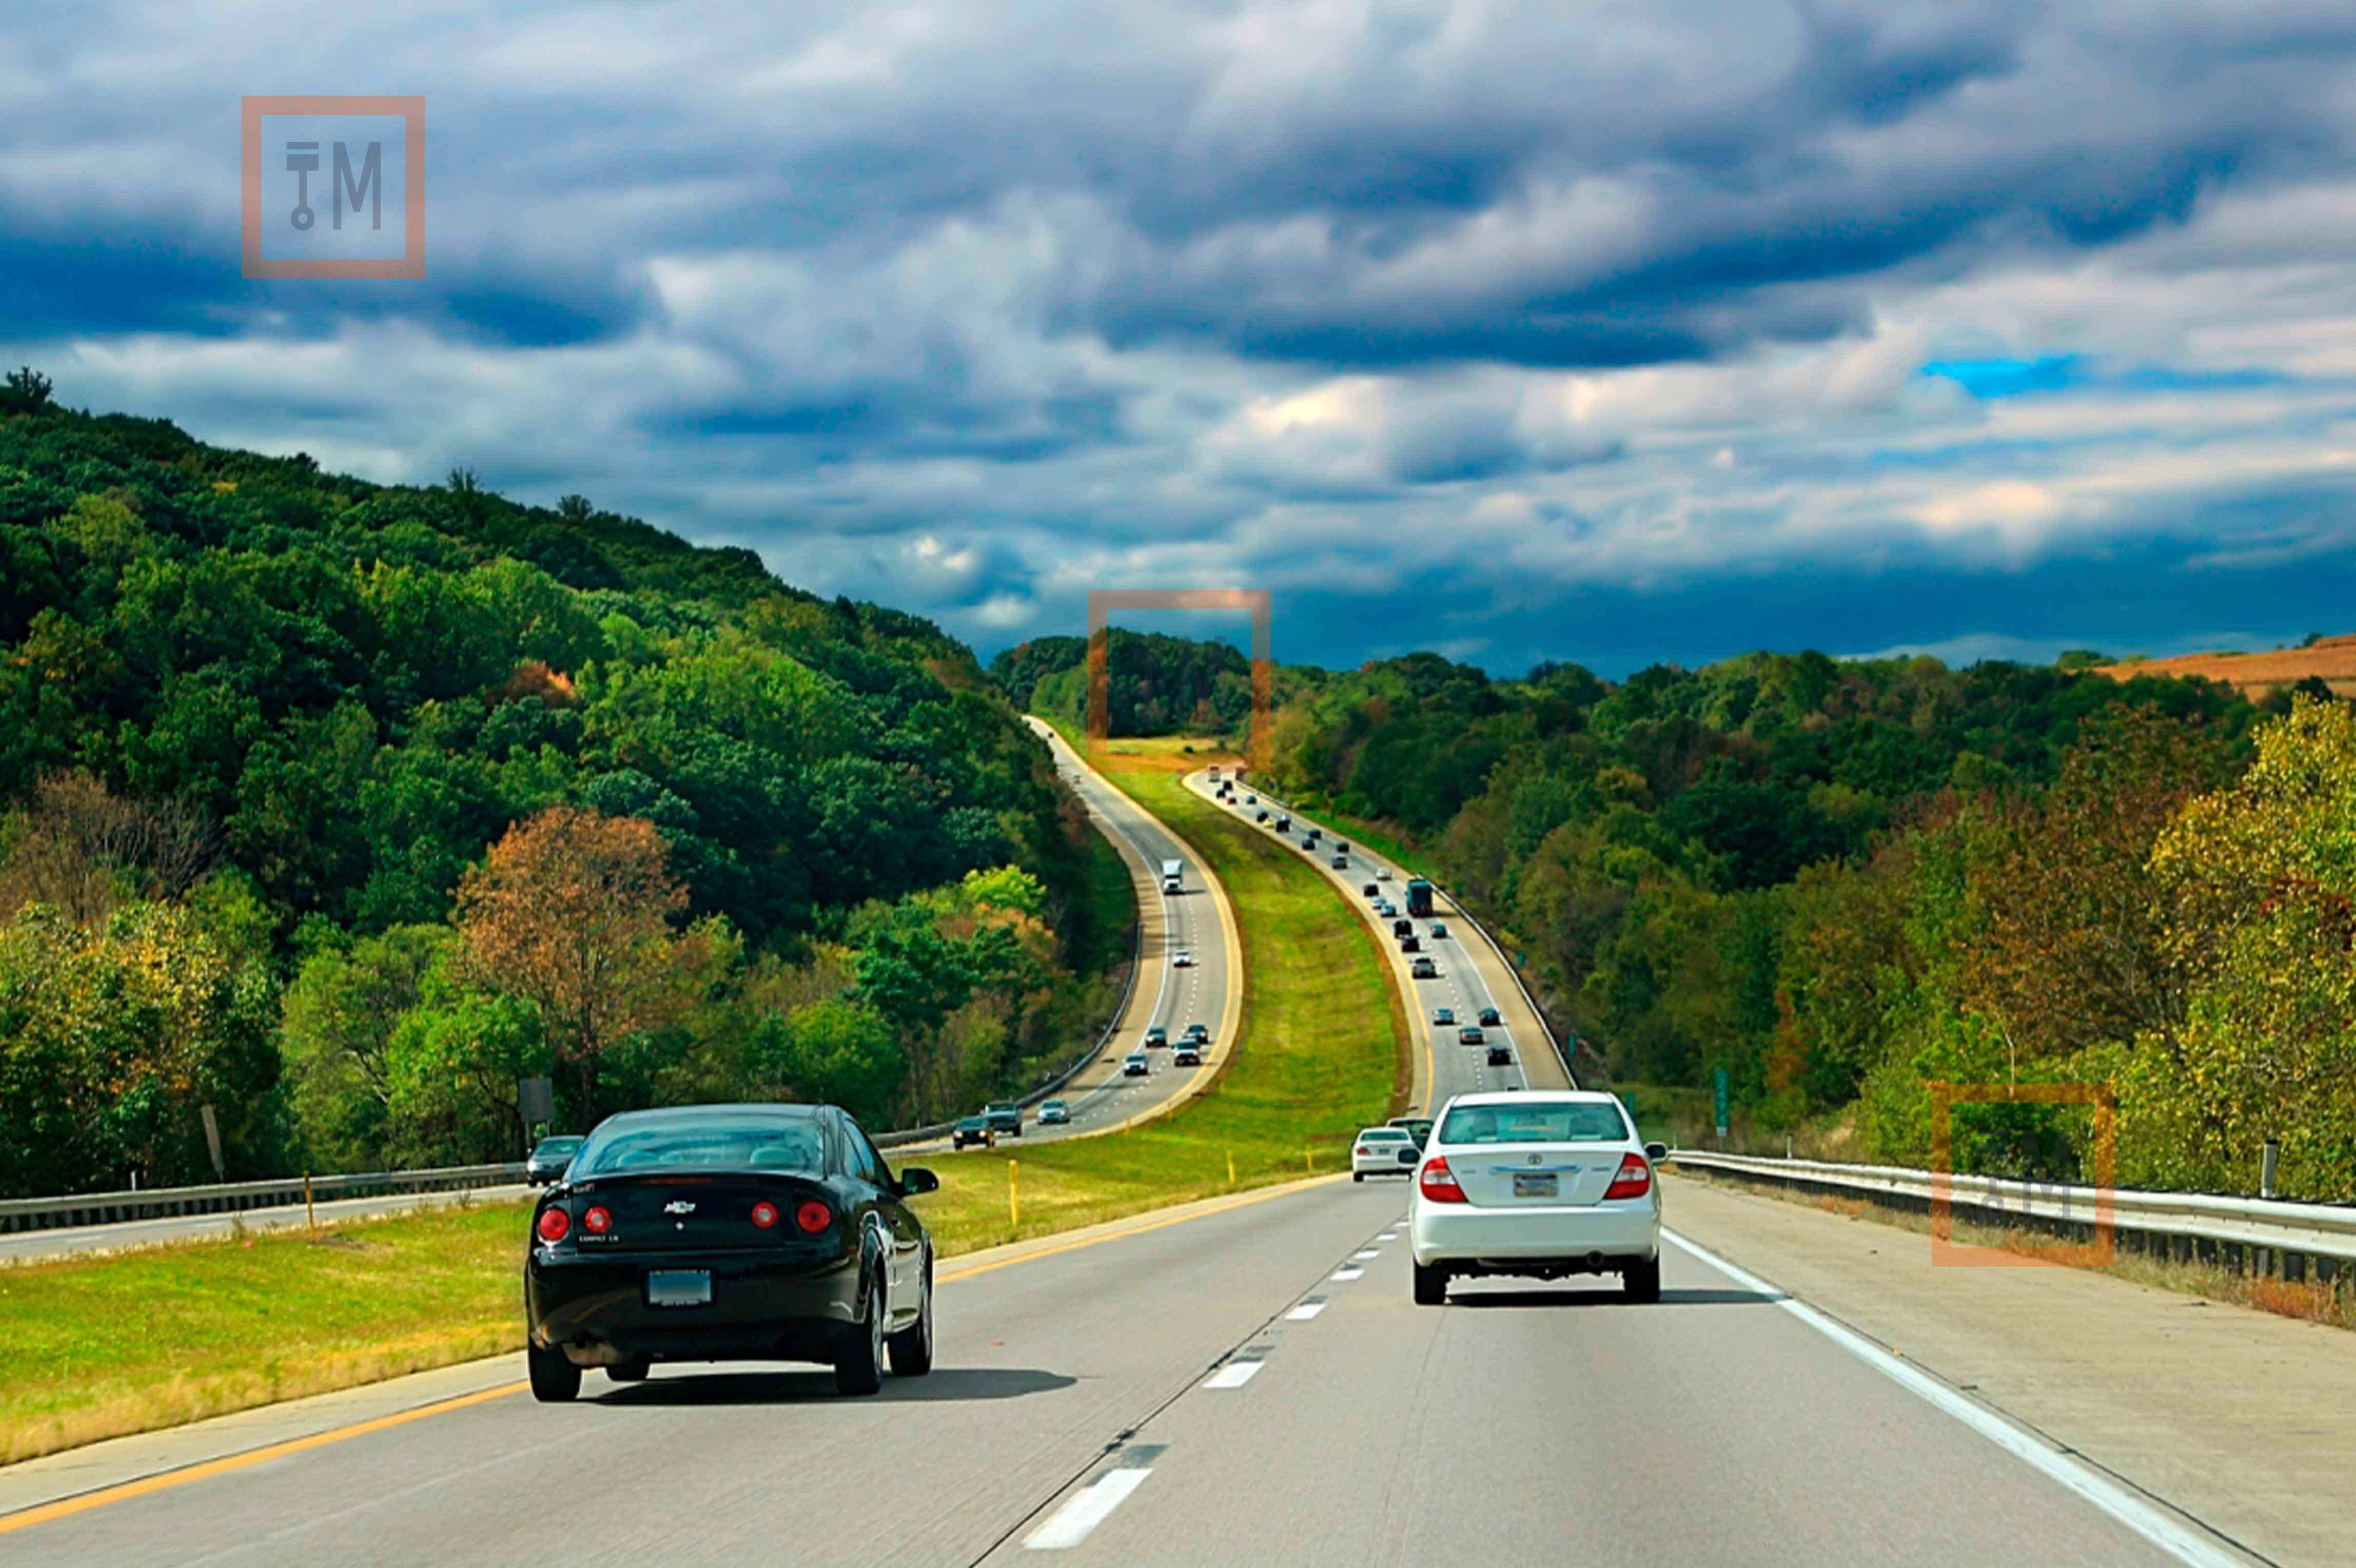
(338, 807)
(1844, 880)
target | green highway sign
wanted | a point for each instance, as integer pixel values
(1720, 1078)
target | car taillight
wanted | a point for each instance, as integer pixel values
(1635, 1180)
(553, 1224)
(1361, 1149)
(765, 1213)
(1438, 1183)
(813, 1215)
(597, 1222)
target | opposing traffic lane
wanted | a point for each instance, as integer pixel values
(27, 1244)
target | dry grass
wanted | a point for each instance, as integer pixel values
(2333, 1304)
(2331, 659)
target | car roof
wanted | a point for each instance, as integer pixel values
(1538, 1095)
(690, 1115)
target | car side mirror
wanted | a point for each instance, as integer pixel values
(914, 1179)
(1657, 1152)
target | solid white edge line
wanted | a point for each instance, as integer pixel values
(1089, 1507)
(2162, 1529)
(1234, 1375)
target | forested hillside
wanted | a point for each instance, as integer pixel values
(338, 807)
(1843, 879)
(1154, 684)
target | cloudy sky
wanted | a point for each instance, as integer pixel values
(1575, 330)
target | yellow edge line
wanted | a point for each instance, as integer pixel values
(45, 1512)
(63, 1507)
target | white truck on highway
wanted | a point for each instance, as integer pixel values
(1173, 875)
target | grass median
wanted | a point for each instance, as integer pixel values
(103, 1347)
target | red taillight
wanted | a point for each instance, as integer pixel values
(765, 1213)
(553, 1224)
(813, 1215)
(1362, 1150)
(1438, 1183)
(597, 1222)
(1635, 1180)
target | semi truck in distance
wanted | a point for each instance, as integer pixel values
(1418, 899)
(1173, 875)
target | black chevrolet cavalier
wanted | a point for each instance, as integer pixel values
(729, 1233)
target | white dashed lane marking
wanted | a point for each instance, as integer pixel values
(1234, 1375)
(1306, 1310)
(1093, 1504)
(1348, 1273)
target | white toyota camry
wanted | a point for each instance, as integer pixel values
(1541, 1183)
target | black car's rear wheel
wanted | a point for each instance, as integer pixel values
(1642, 1282)
(1430, 1284)
(859, 1368)
(911, 1348)
(554, 1378)
(633, 1371)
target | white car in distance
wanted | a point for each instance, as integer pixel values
(1545, 1184)
(1382, 1151)
(1182, 958)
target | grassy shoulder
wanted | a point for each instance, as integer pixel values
(103, 1346)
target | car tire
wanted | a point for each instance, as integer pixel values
(1430, 1284)
(911, 1348)
(633, 1371)
(1358, 1175)
(859, 1365)
(554, 1378)
(1642, 1282)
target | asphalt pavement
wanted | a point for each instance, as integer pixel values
(1246, 1383)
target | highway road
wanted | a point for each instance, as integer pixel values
(125, 1233)
(1101, 1096)
(1243, 1382)
(1471, 976)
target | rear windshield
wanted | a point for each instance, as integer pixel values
(557, 1145)
(1575, 1122)
(1374, 1134)
(764, 1146)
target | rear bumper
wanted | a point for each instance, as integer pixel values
(761, 1308)
(1515, 1240)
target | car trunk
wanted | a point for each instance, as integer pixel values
(681, 1211)
(1508, 1175)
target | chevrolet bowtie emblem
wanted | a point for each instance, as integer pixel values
(678, 1205)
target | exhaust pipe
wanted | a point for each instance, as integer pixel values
(1595, 1262)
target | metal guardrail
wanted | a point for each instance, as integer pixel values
(1467, 917)
(22, 1214)
(2249, 1234)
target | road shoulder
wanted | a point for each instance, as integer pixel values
(2243, 1420)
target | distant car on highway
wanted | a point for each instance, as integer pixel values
(1340, 862)
(1443, 1015)
(1470, 1036)
(1438, 930)
(1423, 969)
(1384, 907)
(1547, 1184)
(972, 1130)
(1402, 926)
(1194, 1034)
(1410, 943)
(1382, 1151)
(1418, 1127)
(788, 1209)
(1155, 1035)
(1189, 1053)
(1500, 1054)
(1382, 873)
(1371, 891)
(1341, 846)
(1489, 1017)
(548, 1159)
(1135, 1065)
(1004, 1116)
(1262, 818)
(1251, 799)
(1182, 958)
(1053, 1114)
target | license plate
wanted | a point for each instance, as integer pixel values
(679, 1287)
(1537, 1184)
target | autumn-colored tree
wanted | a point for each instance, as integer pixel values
(80, 848)
(573, 909)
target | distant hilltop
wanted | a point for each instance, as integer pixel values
(2331, 659)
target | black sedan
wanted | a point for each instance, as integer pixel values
(729, 1233)
(548, 1159)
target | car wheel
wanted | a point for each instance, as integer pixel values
(1430, 1284)
(1642, 1282)
(554, 1378)
(630, 1371)
(911, 1348)
(1358, 1175)
(859, 1367)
